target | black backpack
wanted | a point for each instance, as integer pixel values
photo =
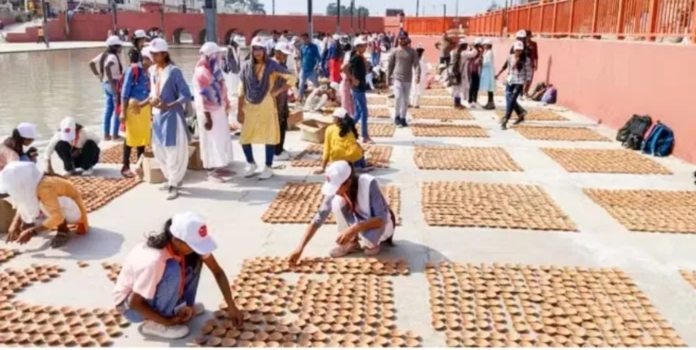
(632, 133)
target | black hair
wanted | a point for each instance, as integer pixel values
(523, 56)
(134, 55)
(111, 50)
(162, 239)
(456, 62)
(15, 142)
(347, 125)
(352, 191)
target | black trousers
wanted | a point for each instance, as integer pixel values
(41, 40)
(283, 114)
(127, 153)
(474, 87)
(445, 60)
(86, 158)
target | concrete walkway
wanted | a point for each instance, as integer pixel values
(234, 211)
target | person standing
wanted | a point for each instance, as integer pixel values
(256, 109)
(282, 51)
(310, 56)
(445, 46)
(346, 84)
(532, 52)
(76, 147)
(40, 36)
(335, 58)
(418, 87)
(356, 73)
(487, 83)
(475, 72)
(231, 68)
(107, 68)
(170, 136)
(458, 74)
(139, 40)
(212, 104)
(518, 72)
(400, 73)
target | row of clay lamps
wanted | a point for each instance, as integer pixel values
(543, 306)
(559, 133)
(7, 254)
(608, 161)
(354, 308)
(26, 324)
(464, 158)
(442, 130)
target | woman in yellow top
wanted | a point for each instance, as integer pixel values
(43, 202)
(341, 143)
(256, 109)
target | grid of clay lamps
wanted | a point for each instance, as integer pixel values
(608, 161)
(440, 113)
(378, 129)
(7, 254)
(464, 158)
(26, 324)
(351, 305)
(559, 133)
(114, 155)
(298, 202)
(96, 192)
(543, 306)
(376, 155)
(378, 112)
(440, 130)
(435, 101)
(439, 91)
(377, 100)
(536, 115)
(470, 204)
(689, 276)
(649, 210)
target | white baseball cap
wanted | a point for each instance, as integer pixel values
(209, 48)
(487, 41)
(518, 46)
(67, 129)
(359, 41)
(284, 48)
(336, 36)
(113, 41)
(340, 112)
(191, 228)
(158, 45)
(146, 53)
(478, 41)
(521, 34)
(336, 174)
(140, 34)
(26, 130)
(462, 41)
(257, 41)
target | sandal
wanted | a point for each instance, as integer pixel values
(127, 173)
(60, 239)
(343, 250)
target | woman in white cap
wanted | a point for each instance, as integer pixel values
(341, 143)
(362, 214)
(108, 68)
(136, 112)
(212, 105)
(458, 75)
(159, 280)
(487, 83)
(518, 72)
(44, 202)
(169, 92)
(138, 40)
(256, 109)
(12, 148)
(76, 147)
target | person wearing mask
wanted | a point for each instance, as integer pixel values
(256, 109)
(533, 56)
(282, 52)
(159, 280)
(107, 68)
(335, 58)
(519, 70)
(138, 40)
(170, 139)
(363, 217)
(12, 148)
(400, 73)
(356, 74)
(458, 75)
(44, 202)
(487, 78)
(212, 104)
(419, 86)
(136, 112)
(309, 57)
(475, 72)
(76, 146)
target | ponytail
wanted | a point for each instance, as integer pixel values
(347, 125)
(162, 239)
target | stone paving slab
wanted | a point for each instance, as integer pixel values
(651, 260)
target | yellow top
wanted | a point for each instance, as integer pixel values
(341, 148)
(48, 191)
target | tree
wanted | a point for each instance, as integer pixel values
(493, 6)
(247, 6)
(332, 10)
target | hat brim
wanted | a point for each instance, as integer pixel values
(153, 50)
(204, 247)
(67, 136)
(329, 189)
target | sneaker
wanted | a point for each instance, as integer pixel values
(173, 193)
(520, 118)
(404, 123)
(250, 170)
(266, 173)
(343, 250)
(88, 172)
(198, 309)
(397, 121)
(283, 156)
(162, 331)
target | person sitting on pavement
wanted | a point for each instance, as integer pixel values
(361, 211)
(341, 143)
(43, 202)
(324, 96)
(159, 279)
(12, 149)
(76, 147)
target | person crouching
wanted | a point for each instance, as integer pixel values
(341, 143)
(76, 147)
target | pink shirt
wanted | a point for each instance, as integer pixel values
(7, 155)
(141, 272)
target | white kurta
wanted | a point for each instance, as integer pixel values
(173, 160)
(417, 89)
(216, 145)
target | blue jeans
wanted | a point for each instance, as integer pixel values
(360, 104)
(111, 122)
(167, 294)
(375, 59)
(249, 154)
(360, 163)
(308, 75)
(512, 92)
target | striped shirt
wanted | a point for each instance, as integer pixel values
(518, 76)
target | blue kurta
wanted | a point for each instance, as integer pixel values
(139, 89)
(487, 72)
(174, 89)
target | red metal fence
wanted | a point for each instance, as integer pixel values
(648, 19)
(433, 25)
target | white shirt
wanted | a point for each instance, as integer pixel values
(115, 73)
(82, 136)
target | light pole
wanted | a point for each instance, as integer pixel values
(309, 19)
(352, 14)
(210, 11)
(273, 7)
(338, 16)
(456, 8)
(417, 7)
(45, 22)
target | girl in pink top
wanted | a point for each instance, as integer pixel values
(159, 279)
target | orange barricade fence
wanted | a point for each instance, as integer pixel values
(649, 19)
(433, 25)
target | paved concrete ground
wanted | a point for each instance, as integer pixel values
(234, 212)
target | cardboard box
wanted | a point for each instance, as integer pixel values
(195, 162)
(7, 214)
(148, 170)
(296, 117)
(313, 131)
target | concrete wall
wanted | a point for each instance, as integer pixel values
(609, 81)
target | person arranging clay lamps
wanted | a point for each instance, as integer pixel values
(341, 143)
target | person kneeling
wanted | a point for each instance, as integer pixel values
(76, 147)
(159, 279)
(341, 143)
(361, 211)
(43, 202)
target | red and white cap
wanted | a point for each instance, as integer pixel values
(336, 174)
(258, 41)
(191, 228)
(146, 53)
(518, 46)
(67, 129)
(283, 47)
(158, 45)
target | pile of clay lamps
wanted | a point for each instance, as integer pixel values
(464, 158)
(98, 191)
(440, 130)
(607, 161)
(559, 133)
